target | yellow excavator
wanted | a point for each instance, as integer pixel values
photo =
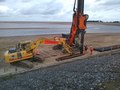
(24, 50)
(28, 49)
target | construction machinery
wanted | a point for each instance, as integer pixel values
(62, 43)
(26, 50)
(78, 25)
(76, 36)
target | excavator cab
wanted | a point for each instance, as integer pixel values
(22, 45)
(18, 53)
(24, 50)
(19, 47)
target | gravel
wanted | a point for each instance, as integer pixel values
(78, 75)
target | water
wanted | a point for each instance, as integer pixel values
(36, 28)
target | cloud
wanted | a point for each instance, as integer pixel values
(112, 2)
(49, 8)
(2, 0)
(59, 9)
(25, 0)
(3, 9)
(106, 10)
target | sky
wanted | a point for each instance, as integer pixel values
(57, 10)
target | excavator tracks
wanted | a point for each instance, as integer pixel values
(23, 64)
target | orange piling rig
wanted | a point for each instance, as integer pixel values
(77, 29)
(78, 25)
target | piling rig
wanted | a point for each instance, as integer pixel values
(76, 36)
(77, 32)
(78, 25)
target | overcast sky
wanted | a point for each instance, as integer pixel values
(57, 10)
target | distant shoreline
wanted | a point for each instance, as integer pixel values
(35, 22)
(38, 28)
(62, 23)
(35, 28)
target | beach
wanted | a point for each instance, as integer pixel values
(94, 39)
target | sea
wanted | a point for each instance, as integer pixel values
(40, 28)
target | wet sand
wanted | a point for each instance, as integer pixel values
(94, 39)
